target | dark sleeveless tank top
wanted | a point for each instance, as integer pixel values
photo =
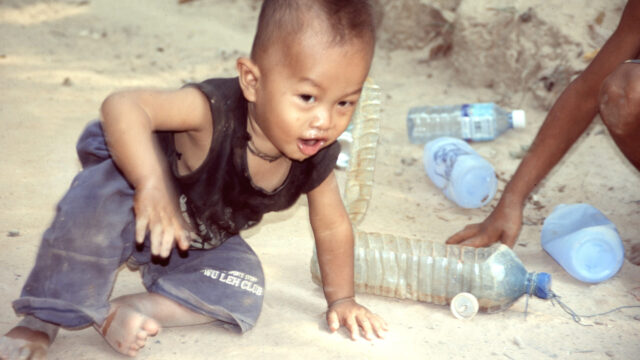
(218, 199)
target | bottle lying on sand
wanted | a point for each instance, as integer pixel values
(474, 122)
(583, 241)
(464, 176)
(435, 273)
(361, 150)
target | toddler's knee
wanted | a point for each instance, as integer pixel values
(619, 99)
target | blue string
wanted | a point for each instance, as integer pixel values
(578, 318)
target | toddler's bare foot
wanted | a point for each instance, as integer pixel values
(126, 329)
(30, 339)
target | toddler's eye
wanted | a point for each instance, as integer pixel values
(345, 103)
(308, 98)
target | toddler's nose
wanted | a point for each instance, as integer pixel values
(321, 120)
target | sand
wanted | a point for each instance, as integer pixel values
(59, 59)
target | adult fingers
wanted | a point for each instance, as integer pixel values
(634, 254)
(478, 241)
(464, 234)
(509, 239)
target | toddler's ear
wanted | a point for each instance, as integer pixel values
(249, 74)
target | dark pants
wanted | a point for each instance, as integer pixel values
(93, 234)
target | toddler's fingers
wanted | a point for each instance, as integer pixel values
(367, 329)
(379, 325)
(333, 321)
(167, 242)
(141, 228)
(156, 239)
(184, 240)
(352, 325)
(182, 237)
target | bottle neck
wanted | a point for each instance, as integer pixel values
(538, 284)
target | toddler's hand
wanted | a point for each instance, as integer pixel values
(157, 212)
(355, 317)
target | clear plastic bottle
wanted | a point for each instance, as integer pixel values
(583, 241)
(465, 177)
(474, 122)
(432, 272)
(361, 159)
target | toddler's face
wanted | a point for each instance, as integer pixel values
(309, 91)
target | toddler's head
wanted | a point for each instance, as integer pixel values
(308, 63)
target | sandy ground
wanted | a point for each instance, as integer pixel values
(59, 59)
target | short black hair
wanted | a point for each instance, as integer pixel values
(347, 19)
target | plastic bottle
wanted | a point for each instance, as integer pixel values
(583, 241)
(345, 140)
(475, 122)
(361, 158)
(432, 272)
(464, 177)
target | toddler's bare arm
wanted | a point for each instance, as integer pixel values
(334, 242)
(129, 120)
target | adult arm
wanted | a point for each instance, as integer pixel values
(568, 118)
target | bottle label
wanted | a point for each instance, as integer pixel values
(477, 121)
(445, 158)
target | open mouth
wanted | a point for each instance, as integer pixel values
(310, 147)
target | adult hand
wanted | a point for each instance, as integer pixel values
(502, 225)
(634, 254)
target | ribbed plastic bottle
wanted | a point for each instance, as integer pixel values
(583, 241)
(432, 272)
(464, 176)
(361, 155)
(474, 122)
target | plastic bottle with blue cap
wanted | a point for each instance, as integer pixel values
(432, 272)
(583, 241)
(473, 122)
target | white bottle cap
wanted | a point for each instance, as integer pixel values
(518, 119)
(464, 306)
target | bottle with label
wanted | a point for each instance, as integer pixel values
(583, 241)
(473, 122)
(433, 272)
(459, 172)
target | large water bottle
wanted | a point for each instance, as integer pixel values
(459, 172)
(583, 241)
(474, 122)
(433, 272)
(358, 155)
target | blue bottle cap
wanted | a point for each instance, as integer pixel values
(542, 285)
